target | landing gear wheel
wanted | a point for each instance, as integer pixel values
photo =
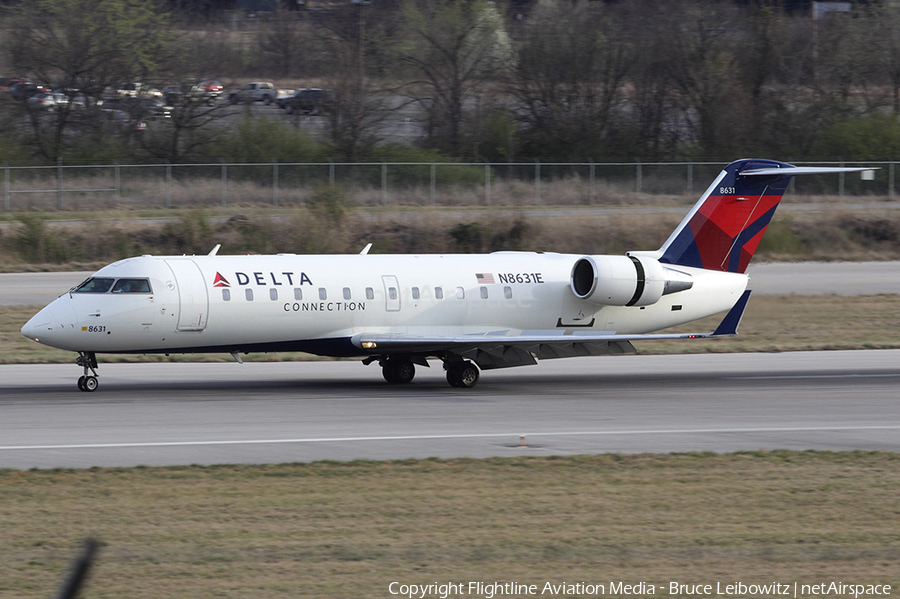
(464, 375)
(453, 377)
(398, 371)
(88, 381)
(90, 384)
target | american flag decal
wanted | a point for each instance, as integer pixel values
(485, 278)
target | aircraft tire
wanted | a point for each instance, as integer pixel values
(399, 371)
(90, 383)
(468, 375)
(453, 377)
(464, 376)
(81, 383)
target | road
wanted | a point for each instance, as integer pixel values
(842, 278)
(165, 413)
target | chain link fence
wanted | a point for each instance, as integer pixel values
(531, 183)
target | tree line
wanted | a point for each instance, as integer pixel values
(557, 79)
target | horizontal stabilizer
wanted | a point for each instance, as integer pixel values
(807, 170)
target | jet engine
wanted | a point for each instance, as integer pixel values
(625, 280)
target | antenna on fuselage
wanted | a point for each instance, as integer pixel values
(366, 249)
(215, 250)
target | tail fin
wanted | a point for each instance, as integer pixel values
(724, 228)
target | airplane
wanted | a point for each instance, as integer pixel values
(473, 312)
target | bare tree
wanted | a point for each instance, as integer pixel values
(452, 49)
(82, 47)
(568, 76)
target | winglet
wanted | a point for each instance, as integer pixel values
(730, 323)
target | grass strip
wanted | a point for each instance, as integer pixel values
(771, 323)
(349, 529)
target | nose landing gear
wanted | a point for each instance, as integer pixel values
(88, 382)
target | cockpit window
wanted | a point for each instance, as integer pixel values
(95, 285)
(131, 286)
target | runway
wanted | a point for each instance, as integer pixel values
(173, 413)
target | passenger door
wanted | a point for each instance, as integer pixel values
(193, 299)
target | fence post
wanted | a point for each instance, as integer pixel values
(168, 184)
(593, 168)
(431, 191)
(118, 181)
(59, 183)
(841, 181)
(224, 182)
(6, 186)
(331, 172)
(890, 179)
(690, 175)
(383, 182)
(487, 182)
(275, 182)
(639, 176)
(537, 181)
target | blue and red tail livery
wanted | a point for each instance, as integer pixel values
(724, 229)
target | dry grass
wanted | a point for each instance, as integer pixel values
(348, 530)
(771, 323)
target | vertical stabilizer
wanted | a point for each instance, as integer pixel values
(724, 228)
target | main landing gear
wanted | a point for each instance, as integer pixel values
(88, 382)
(463, 374)
(400, 370)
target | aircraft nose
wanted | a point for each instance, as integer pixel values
(40, 326)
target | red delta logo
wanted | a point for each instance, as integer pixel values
(221, 281)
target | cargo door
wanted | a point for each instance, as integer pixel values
(193, 298)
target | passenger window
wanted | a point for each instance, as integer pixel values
(484, 294)
(226, 294)
(392, 293)
(95, 285)
(131, 286)
(370, 293)
(438, 293)
(346, 293)
(322, 293)
(273, 294)
(415, 293)
(460, 293)
(248, 293)
(507, 292)
(298, 294)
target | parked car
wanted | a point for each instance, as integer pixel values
(312, 101)
(7, 82)
(204, 90)
(24, 90)
(257, 91)
(49, 101)
(208, 89)
(153, 109)
(122, 122)
(131, 90)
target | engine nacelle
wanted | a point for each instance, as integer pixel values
(625, 280)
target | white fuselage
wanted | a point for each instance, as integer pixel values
(319, 303)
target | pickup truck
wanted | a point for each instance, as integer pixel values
(257, 91)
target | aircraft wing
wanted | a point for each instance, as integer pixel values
(502, 349)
